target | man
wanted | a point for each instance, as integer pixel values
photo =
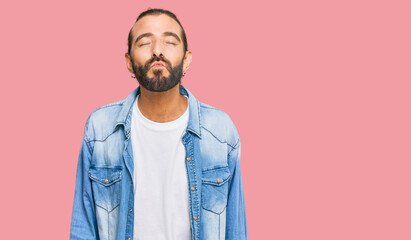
(159, 164)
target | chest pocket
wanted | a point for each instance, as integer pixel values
(214, 191)
(106, 184)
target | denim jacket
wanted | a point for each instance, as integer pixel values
(104, 193)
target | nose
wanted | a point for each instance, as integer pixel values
(158, 49)
(158, 55)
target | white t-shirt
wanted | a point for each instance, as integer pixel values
(161, 200)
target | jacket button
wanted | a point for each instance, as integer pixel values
(128, 238)
(218, 180)
(131, 209)
(188, 159)
(106, 180)
(195, 218)
(193, 188)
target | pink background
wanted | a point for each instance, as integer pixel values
(319, 91)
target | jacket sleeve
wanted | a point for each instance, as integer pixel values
(236, 224)
(83, 219)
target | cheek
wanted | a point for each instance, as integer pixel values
(176, 57)
(139, 61)
(141, 55)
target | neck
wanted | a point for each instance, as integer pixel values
(162, 106)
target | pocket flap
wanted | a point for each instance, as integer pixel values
(217, 176)
(105, 175)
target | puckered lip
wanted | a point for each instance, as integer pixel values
(157, 63)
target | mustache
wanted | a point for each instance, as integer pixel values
(158, 58)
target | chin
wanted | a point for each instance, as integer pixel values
(159, 76)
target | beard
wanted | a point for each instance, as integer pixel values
(158, 83)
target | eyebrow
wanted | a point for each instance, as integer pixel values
(164, 33)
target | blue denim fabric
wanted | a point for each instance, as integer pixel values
(104, 193)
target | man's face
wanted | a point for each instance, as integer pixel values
(157, 56)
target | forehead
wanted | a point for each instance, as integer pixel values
(156, 24)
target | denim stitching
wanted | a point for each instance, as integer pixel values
(189, 194)
(103, 139)
(218, 138)
(219, 226)
(115, 104)
(233, 148)
(214, 168)
(108, 225)
(114, 208)
(214, 212)
(195, 184)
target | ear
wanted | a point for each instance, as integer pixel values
(129, 63)
(187, 60)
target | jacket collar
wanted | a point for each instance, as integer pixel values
(194, 120)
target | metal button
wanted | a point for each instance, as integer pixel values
(106, 180)
(193, 188)
(131, 209)
(218, 180)
(188, 159)
(128, 238)
(195, 218)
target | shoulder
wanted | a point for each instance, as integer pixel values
(101, 122)
(219, 124)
